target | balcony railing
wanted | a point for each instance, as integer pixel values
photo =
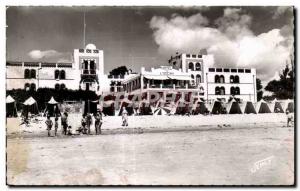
(168, 86)
(88, 72)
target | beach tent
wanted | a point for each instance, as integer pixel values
(218, 107)
(11, 108)
(275, 106)
(52, 107)
(108, 107)
(262, 107)
(145, 108)
(183, 107)
(162, 111)
(247, 107)
(128, 105)
(233, 107)
(30, 105)
(199, 107)
(288, 105)
(90, 106)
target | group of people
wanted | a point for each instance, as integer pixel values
(85, 127)
(86, 122)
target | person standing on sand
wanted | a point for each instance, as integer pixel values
(83, 124)
(124, 117)
(49, 125)
(64, 122)
(289, 118)
(88, 123)
(98, 122)
(56, 125)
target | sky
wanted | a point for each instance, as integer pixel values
(258, 37)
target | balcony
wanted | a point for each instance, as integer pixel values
(170, 86)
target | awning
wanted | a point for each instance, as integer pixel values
(9, 99)
(180, 77)
(156, 77)
(29, 101)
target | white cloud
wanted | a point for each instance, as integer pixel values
(280, 11)
(49, 55)
(231, 42)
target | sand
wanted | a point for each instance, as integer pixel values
(204, 153)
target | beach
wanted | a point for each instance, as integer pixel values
(157, 150)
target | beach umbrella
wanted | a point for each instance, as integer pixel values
(29, 101)
(162, 111)
(30, 105)
(233, 107)
(275, 106)
(247, 107)
(262, 107)
(11, 109)
(52, 101)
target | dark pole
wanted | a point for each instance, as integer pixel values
(206, 88)
(254, 88)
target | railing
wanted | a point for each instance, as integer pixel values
(168, 86)
(88, 72)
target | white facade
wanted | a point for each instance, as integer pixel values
(186, 73)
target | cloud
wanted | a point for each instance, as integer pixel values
(231, 41)
(280, 11)
(49, 55)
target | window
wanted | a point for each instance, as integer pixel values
(92, 65)
(211, 69)
(88, 51)
(32, 73)
(188, 55)
(232, 91)
(219, 70)
(192, 76)
(240, 70)
(56, 74)
(62, 74)
(32, 87)
(237, 91)
(247, 71)
(95, 51)
(221, 79)
(191, 66)
(226, 70)
(222, 90)
(62, 86)
(85, 65)
(27, 86)
(231, 79)
(199, 56)
(81, 50)
(236, 79)
(217, 79)
(198, 79)
(27, 74)
(198, 66)
(217, 90)
(57, 86)
(194, 56)
(233, 70)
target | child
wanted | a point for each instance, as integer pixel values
(83, 124)
(56, 125)
(49, 125)
(289, 118)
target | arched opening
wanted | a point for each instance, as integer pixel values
(32, 87)
(57, 86)
(237, 91)
(62, 75)
(231, 79)
(27, 74)
(236, 79)
(217, 79)
(56, 74)
(198, 66)
(222, 80)
(217, 90)
(32, 73)
(222, 90)
(62, 86)
(26, 86)
(198, 79)
(191, 66)
(232, 91)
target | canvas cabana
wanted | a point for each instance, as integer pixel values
(275, 106)
(233, 107)
(262, 107)
(288, 105)
(247, 107)
(145, 108)
(11, 108)
(199, 107)
(90, 106)
(108, 107)
(128, 104)
(218, 107)
(30, 105)
(183, 107)
(52, 108)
